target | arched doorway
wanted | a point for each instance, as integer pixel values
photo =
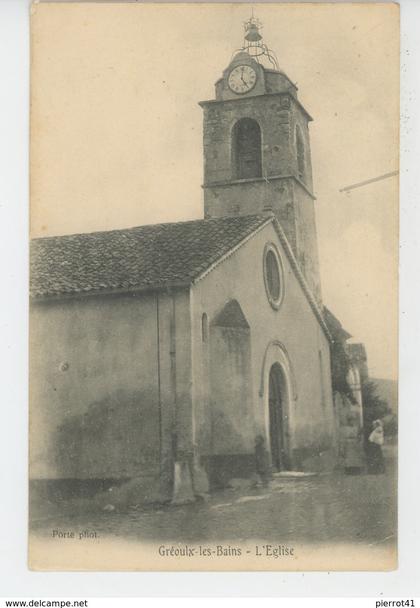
(276, 398)
(278, 391)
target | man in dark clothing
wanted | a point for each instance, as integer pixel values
(262, 463)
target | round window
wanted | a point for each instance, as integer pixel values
(273, 275)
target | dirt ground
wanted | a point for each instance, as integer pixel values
(323, 508)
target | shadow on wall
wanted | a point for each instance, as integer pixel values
(117, 437)
(228, 464)
(109, 454)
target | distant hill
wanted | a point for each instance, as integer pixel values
(387, 390)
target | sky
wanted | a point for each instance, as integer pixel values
(117, 130)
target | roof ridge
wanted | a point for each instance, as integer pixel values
(141, 226)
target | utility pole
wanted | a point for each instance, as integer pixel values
(369, 181)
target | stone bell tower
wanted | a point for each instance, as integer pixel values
(257, 156)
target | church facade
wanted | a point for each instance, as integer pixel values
(162, 352)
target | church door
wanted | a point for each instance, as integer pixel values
(276, 417)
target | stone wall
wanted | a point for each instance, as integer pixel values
(281, 189)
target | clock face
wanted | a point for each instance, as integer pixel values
(242, 79)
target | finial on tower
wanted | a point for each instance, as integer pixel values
(253, 42)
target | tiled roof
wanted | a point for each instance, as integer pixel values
(336, 329)
(135, 258)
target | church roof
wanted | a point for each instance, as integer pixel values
(150, 257)
(155, 256)
(336, 329)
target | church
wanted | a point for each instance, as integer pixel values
(162, 352)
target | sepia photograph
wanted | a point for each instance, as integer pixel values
(214, 286)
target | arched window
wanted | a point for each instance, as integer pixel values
(300, 153)
(246, 149)
(204, 328)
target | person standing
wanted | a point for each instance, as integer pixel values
(352, 449)
(262, 463)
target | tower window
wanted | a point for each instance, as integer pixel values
(246, 149)
(300, 153)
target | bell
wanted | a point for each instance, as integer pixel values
(253, 34)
